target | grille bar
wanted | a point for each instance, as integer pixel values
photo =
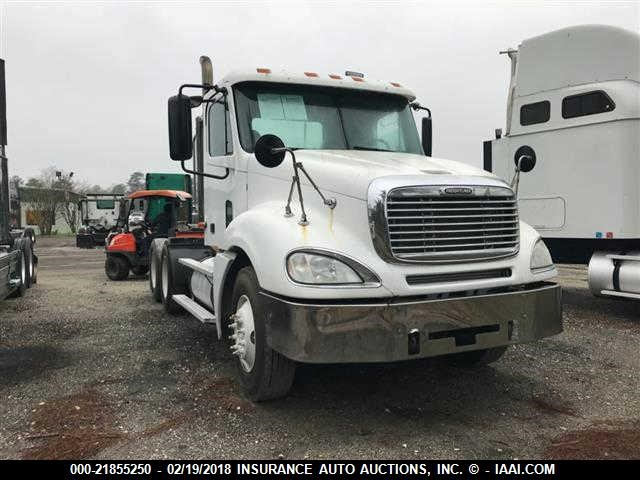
(424, 224)
(479, 237)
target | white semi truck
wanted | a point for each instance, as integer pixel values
(573, 116)
(332, 235)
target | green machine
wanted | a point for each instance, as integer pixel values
(165, 181)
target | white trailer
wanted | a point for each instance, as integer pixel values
(574, 108)
(333, 236)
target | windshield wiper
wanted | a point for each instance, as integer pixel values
(371, 149)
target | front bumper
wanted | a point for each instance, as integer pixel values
(403, 329)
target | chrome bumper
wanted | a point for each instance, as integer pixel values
(331, 332)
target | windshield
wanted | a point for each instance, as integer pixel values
(322, 118)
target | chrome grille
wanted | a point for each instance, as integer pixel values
(436, 223)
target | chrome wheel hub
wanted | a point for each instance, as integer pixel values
(244, 335)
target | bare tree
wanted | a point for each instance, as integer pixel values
(48, 194)
(70, 210)
(136, 182)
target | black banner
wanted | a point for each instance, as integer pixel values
(388, 469)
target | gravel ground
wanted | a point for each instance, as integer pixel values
(95, 369)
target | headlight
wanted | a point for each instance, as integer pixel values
(327, 268)
(540, 257)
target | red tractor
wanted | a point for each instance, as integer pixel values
(147, 214)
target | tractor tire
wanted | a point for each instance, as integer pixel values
(140, 270)
(478, 357)
(154, 274)
(268, 375)
(168, 283)
(116, 267)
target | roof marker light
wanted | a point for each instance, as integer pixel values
(263, 70)
(357, 79)
(395, 84)
(311, 74)
(334, 76)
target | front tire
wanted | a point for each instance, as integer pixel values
(116, 267)
(264, 373)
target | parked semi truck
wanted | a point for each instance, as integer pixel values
(573, 118)
(333, 236)
(18, 261)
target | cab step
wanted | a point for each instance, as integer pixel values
(614, 293)
(194, 308)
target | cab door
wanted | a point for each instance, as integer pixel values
(223, 198)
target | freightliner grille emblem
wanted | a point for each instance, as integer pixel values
(458, 191)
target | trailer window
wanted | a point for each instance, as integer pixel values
(533, 113)
(586, 104)
(107, 204)
(219, 129)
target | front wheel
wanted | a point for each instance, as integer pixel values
(264, 373)
(116, 267)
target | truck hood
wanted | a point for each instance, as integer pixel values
(349, 172)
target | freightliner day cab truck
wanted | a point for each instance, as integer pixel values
(573, 113)
(332, 235)
(18, 262)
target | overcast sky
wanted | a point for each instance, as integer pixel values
(87, 83)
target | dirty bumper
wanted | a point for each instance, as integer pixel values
(333, 332)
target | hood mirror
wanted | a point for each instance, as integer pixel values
(269, 150)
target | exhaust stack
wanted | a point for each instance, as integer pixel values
(207, 71)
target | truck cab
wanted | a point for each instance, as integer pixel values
(573, 108)
(332, 235)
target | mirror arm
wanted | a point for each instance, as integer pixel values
(515, 181)
(205, 88)
(416, 106)
(207, 175)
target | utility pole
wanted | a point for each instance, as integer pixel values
(5, 234)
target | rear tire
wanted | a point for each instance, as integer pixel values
(270, 374)
(154, 275)
(167, 283)
(116, 267)
(27, 250)
(478, 357)
(23, 272)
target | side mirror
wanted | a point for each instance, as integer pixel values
(525, 158)
(180, 146)
(426, 136)
(264, 151)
